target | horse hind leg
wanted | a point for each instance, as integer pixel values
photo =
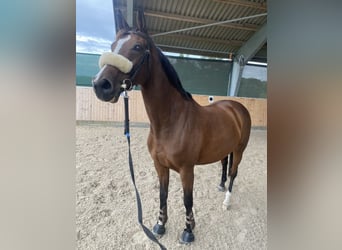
(234, 161)
(224, 163)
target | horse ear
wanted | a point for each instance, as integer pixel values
(141, 22)
(120, 21)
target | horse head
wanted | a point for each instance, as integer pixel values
(127, 60)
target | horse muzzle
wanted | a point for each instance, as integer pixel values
(106, 91)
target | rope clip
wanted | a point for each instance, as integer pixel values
(127, 85)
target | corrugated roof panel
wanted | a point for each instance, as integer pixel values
(203, 9)
(171, 15)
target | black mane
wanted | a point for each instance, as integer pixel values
(172, 75)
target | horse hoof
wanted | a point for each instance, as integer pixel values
(220, 188)
(187, 237)
(158, 230)
(225, 206)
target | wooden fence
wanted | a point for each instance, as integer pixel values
(89, 108)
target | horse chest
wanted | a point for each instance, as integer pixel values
(166, 154)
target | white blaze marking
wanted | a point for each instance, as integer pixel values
(120, 43)
(100, 72)
(115, 59)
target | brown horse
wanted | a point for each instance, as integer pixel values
(182, 133)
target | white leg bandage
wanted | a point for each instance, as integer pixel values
(226, 200)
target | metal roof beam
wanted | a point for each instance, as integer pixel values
(245, 53)
(187, 50)
(249, 27)
(211, 24)
(251, 47)
(233, 43)
(129, 17)
(254, 5)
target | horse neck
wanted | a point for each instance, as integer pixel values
(163, 102)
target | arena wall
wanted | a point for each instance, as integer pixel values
(89, 108)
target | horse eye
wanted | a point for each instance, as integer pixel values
(137, 47)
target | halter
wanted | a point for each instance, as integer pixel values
(127, 84)
(124, 65)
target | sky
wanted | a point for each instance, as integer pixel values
(95, 29)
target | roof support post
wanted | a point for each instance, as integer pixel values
(245, 53)
(129, 17)
(235, 76)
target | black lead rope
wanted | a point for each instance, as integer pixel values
(148, 233)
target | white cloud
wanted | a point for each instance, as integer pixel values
(99, 40)
(91, 44)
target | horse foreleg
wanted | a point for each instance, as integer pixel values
(187, 177)
(163, 174)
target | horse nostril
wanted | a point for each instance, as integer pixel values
(106, 84)
(103, 85)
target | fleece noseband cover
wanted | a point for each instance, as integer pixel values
(116, 60)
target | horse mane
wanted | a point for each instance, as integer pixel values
(166, 65)
(172, 75)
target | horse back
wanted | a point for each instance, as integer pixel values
(230, 111)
